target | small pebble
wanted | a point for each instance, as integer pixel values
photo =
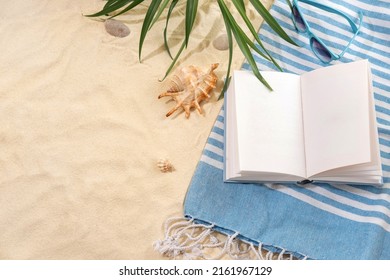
(116, 28)
(221, 42)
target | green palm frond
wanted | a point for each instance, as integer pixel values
(230, 41)
(171, 8)
(114, 6)
(156, 8)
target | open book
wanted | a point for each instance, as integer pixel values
(318, 126)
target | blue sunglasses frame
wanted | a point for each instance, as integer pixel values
(314, 40)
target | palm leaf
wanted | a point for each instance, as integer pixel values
(289, 4)
(171, 7)
(241, 4)
(159, 12)
(230, 41)
(242, 43)
(150, 13)
(241, 11)
(191, 10)
(113, 2)
(111, 6)
(156, 8)
(271, 21)
(134, 4)
(174, 60)
(238, 30)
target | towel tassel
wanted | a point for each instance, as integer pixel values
(185, 239)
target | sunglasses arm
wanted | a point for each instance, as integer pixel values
(355, 28)
(356, 33)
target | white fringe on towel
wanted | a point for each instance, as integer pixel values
(185, 239)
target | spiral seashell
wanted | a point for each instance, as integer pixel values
(164, 165)
(190, 86)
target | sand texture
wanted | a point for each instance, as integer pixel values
(82, 130)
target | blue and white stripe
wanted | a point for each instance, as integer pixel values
(363, 204)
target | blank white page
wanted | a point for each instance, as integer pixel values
(336, 116)
(269, 124)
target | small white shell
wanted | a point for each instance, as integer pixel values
(164, 165)
(116, 28)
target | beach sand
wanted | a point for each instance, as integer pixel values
(82, 129)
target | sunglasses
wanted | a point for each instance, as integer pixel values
(319, 48)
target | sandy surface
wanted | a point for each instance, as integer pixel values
(81, 130)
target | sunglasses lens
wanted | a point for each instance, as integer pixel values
(299, 23)
(321, 52)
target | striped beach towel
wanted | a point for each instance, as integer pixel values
(317, 221)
